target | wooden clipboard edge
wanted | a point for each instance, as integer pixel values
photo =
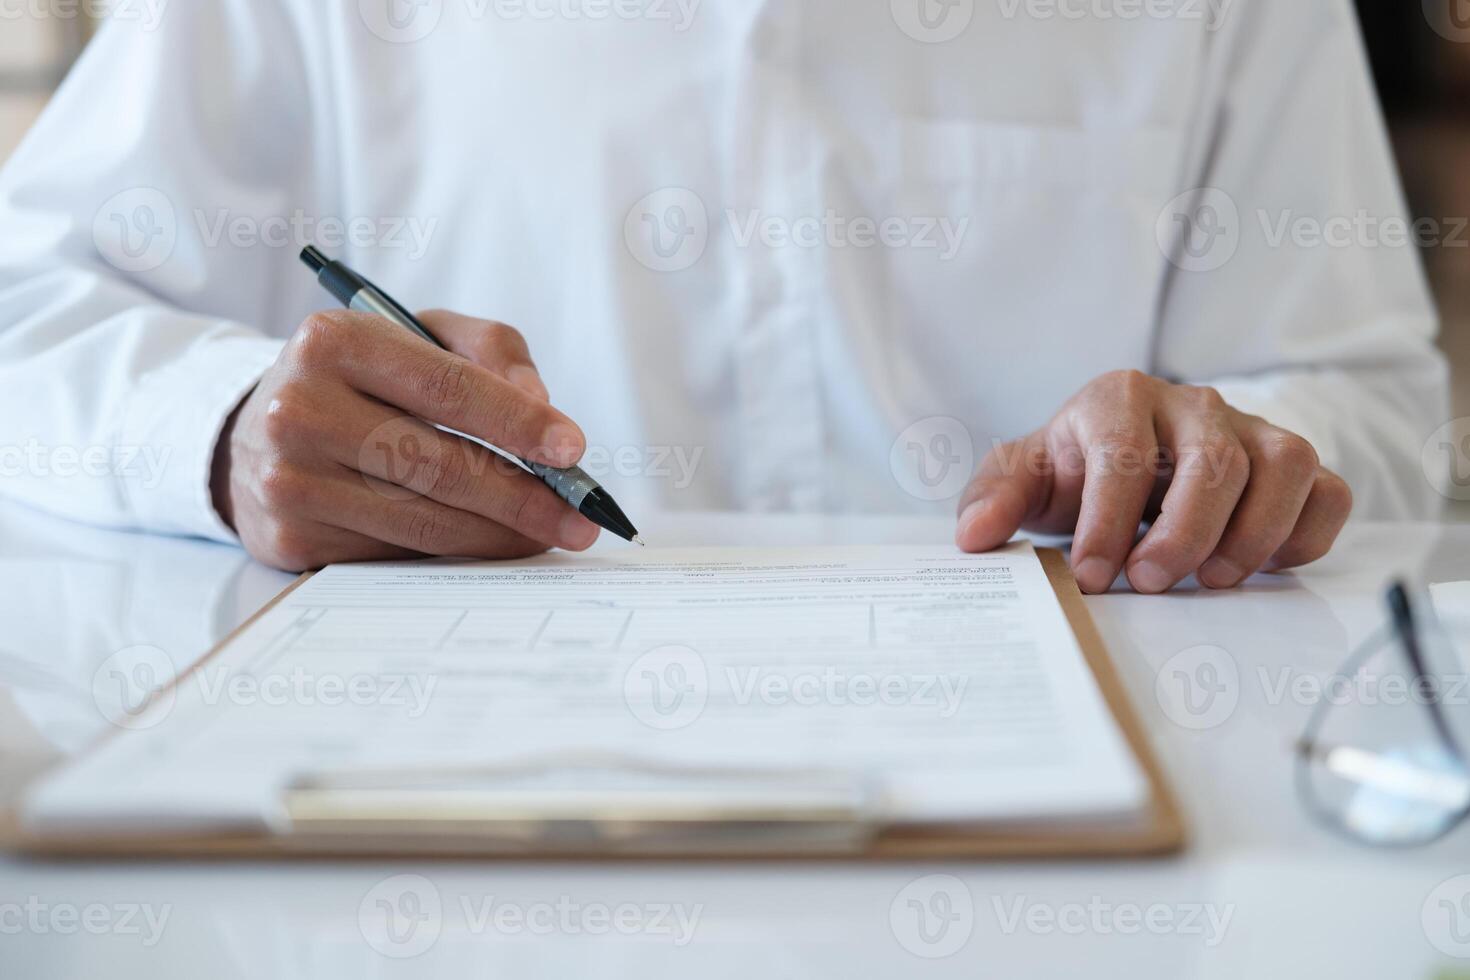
(1160, 834)
(1168, 834)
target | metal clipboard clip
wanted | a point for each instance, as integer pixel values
(585, 804)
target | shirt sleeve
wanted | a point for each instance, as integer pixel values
(1295, 287)
(142, 265)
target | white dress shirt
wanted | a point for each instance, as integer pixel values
(771, 254)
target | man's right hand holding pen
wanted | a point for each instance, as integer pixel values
(332, 457)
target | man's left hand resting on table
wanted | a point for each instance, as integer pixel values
(1227, 493)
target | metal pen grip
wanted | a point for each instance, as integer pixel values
(571, 485)
(370, 301)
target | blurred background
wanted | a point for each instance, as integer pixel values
(1420, 51)
(1421, 60)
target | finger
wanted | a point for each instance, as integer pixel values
(417, 459)
(1283, 469)
(1121, 454)
(338, 425)
(302, 544)
(335, 545)
(1322, 519)
(343, 546)
(1011, 487)
(380, 359)
(420, 524)
(1211, 470)
(492, 345)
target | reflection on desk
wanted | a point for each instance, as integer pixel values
(1286, 898)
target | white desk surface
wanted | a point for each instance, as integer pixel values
(1262, 892)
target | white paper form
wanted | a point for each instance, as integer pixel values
(952, 682)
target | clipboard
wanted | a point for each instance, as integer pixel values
(496, 813)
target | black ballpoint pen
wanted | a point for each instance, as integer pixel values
(572, 485)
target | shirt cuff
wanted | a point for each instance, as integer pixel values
(176, 415)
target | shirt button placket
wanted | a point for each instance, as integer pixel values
(780, 402)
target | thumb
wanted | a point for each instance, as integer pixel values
(1010, 488)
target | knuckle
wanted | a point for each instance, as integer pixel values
(1131, 384)
(282, 487)
(1121, 443)
(1121, 453)
(1181, 552)
(487, 344)
(503, 346)
(507, 336)
(288, 548)
(317, 342)
(497, 343)
(425, 529)
(521, 418)
(1337, 495)
(488, 350)
(446, 384)
(1203, 398)
(1290, 452)
(1118, 394)
(1127, 378)
(445, 474)
(1222, 457)
(285, 415)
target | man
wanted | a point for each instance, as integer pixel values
(805, 255)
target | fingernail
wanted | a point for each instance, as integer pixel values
(1218, 573)
(563, 444)
(526, 379)
(970, 514)
(576, 532)
(1150, 578)
(1095, 575)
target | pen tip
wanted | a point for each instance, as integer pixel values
(638, 540)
